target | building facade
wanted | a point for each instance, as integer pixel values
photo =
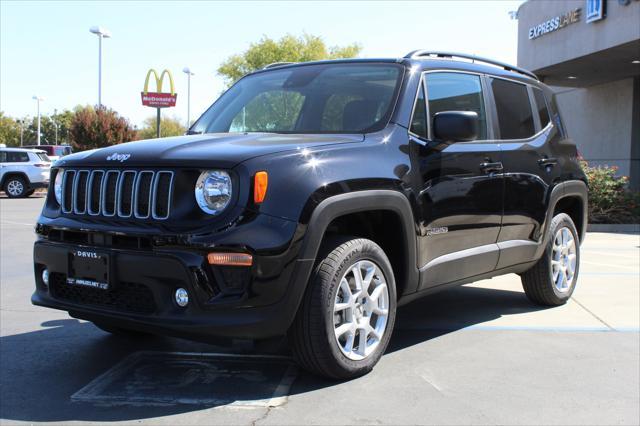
(589, 52)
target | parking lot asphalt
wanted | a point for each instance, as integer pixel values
(477, 354)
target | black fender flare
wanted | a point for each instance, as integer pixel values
(570, 188)
(340, 205)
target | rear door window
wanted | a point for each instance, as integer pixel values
(541, 105)
(17, 157)
(515, 118)
(450, 91)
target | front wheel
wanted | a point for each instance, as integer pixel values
(552, 279)
(347, 315)
(15, 187)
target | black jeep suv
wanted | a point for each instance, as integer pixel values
(313, 199)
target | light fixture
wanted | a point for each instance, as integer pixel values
(101, 32)
(45, 277)
(260, 183)
(182, 297)
(230, 259)
(637, 61)
(572, 77)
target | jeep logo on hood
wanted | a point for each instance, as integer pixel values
(118, 157)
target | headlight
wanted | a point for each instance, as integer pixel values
(213, 191)
(57, 186)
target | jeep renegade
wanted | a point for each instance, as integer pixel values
(312, 199)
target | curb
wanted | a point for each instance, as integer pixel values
(631, 228)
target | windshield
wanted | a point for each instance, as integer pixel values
(325, 98)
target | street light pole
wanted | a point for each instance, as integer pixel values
(187, 71)
(21, 131)
(55, 123)
(101, 33)
(38, 99)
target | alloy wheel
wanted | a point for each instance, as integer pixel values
(15, 188)
(361, 310)
(563, 260)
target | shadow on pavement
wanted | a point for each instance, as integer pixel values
(41, 370)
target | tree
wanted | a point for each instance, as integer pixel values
(48, 129)
(287, 49)
(169, 126)
(9, 131)
(99, 127)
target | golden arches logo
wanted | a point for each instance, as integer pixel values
(159, 99)
(158, 81)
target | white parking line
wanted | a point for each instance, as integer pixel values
(615, 254)
(610, 265)
(9, 222)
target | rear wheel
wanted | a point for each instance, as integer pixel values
(15, 187)
(552, 280)
(347, 315)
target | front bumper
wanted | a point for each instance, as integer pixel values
(255, 303)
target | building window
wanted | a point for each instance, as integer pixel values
(515, 118)
(457, 92)
(595, 10)
(541, 104)
(419, 120)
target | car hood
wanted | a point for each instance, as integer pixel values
(223, 150)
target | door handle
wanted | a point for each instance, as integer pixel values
(491, 167)
(544, 162)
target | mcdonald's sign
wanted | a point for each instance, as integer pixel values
(159, 99)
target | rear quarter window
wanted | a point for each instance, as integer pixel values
(42, 156)
(541, 105)
(515, 118)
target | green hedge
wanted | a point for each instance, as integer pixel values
(610, 199)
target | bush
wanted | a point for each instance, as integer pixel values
(610, 199)
(99, 127)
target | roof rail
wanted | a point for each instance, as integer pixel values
(420, 53)
(277, 64)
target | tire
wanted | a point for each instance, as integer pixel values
(334, 284)
(29, 193)
(15, 187)
(121, 332)
(550, 281)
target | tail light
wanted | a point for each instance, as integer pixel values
(42, 164)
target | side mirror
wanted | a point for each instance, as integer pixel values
(455, 126)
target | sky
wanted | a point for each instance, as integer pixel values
(46, 48)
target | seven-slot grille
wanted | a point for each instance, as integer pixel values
(140, 194)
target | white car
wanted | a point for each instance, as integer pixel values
(22, 171)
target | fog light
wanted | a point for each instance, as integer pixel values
(182, 297)
(45, 277)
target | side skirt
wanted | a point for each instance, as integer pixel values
(514, 269)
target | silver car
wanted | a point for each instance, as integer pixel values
(22, 171)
